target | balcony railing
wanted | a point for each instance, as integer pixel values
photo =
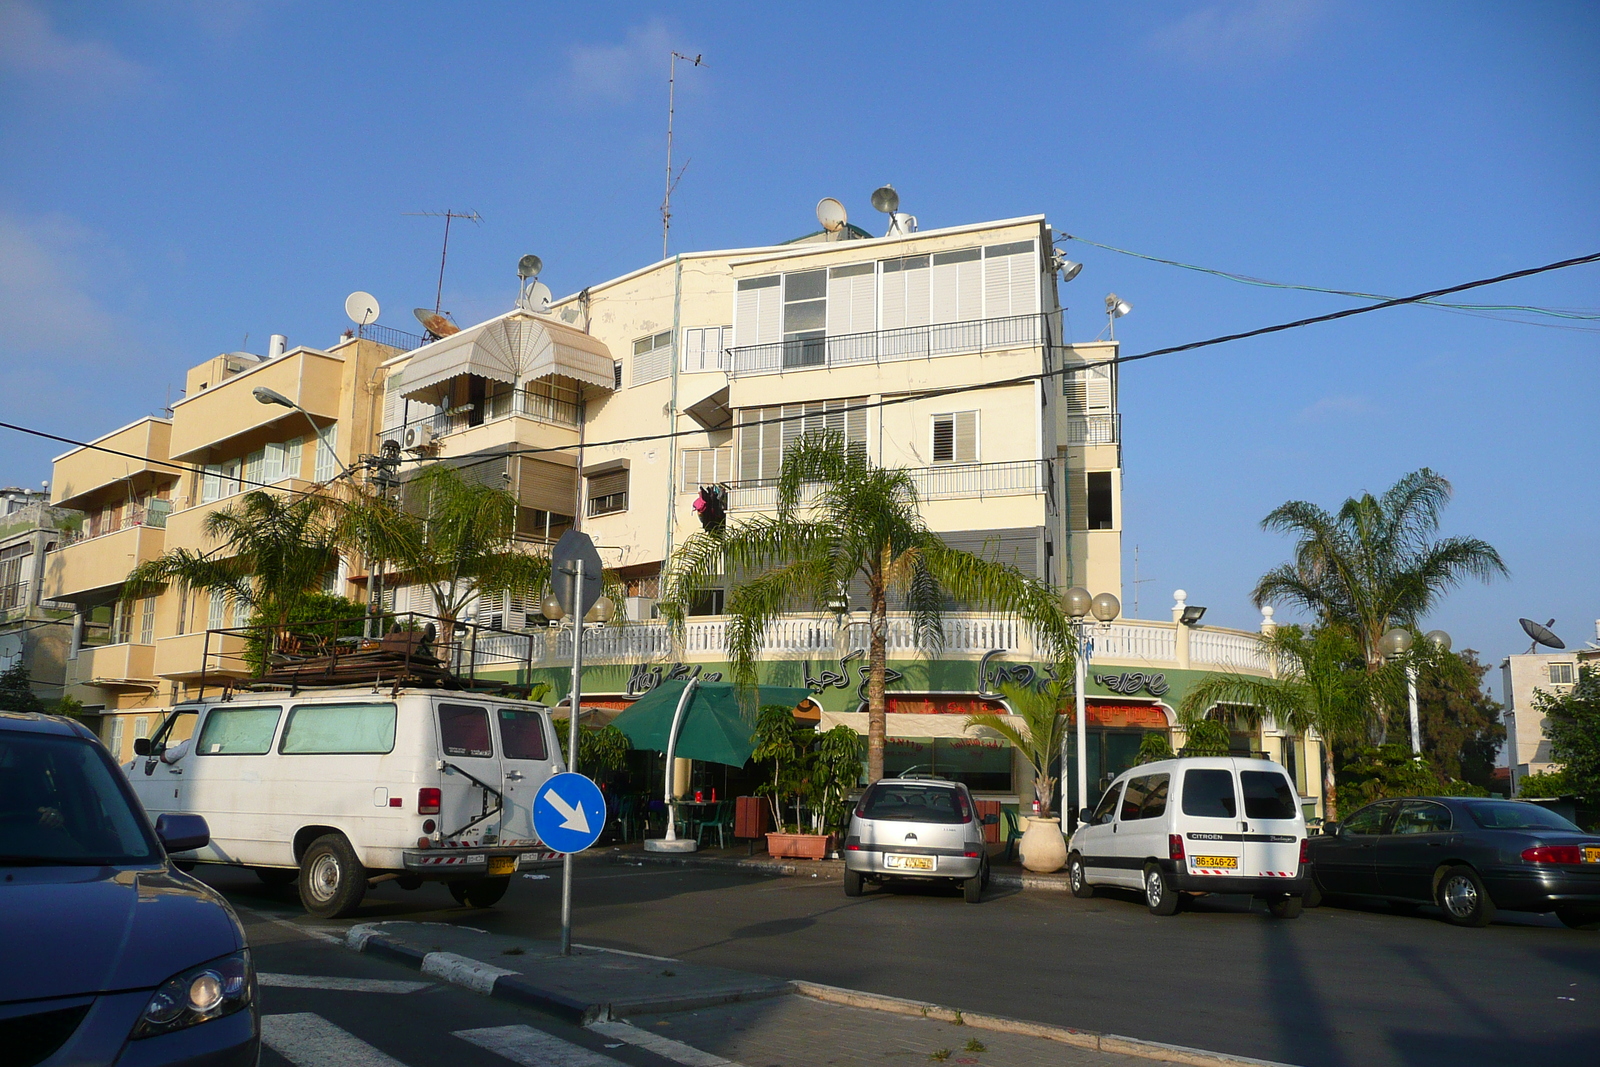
(13, 596)
(1093, 430)
(539, 408)
(887, 346)
(154, 516)
(953, 481)
(388, 335)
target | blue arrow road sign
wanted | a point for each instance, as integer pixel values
(569, 812)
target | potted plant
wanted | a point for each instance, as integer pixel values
(810, 775)
(1035, 729)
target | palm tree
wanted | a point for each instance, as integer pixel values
(1375, 564)
(1321, 685)
(1037, 734)
(275, 551)
(841, 518)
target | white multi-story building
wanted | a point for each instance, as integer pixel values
(1522, 679)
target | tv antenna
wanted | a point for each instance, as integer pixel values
(449, 215)
(672, 183)
(886, 200)
(1541, 635)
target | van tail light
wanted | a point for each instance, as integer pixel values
(427, 802)
(1175, 847)
(1553, 854)
(964, 805)
(1305, 851)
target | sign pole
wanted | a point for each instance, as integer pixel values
(1079, 681)
(573, 702)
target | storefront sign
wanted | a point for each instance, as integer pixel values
(993, 675)
(840, 679)
(642, 679)
(1130, 682)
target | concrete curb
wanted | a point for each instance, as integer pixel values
(1089, 1039)
(830, 869)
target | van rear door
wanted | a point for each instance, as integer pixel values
(527, 749)
(471, 786)
(1213, 834)
(1272, 810)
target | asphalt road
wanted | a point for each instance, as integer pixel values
(1333, 988)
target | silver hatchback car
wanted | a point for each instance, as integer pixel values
(917, 828)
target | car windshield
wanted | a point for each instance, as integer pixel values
(1513, 815)
(61, 804)
(912, 803)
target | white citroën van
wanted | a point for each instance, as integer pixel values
(1195, 825)
(347, 787)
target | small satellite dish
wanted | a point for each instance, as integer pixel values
(831, 214)
(536, 297)
(362, 308)
(885, 199)
(1541, 634)
(529, 266)
(435, 323)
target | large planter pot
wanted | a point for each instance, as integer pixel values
(805, 846)
(1042, 849)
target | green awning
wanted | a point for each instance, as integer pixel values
(713, 730)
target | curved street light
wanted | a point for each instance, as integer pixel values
(1078, 603)
(1398, 643)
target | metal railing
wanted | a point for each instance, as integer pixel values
(1093, 430)
(886, 346)
(153, 517)
(388, 335)
(539, 408)
(951, 481)
(13, 596)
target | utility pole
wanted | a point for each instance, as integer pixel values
(672, 183)
(449, 215)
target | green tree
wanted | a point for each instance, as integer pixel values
(1154, 747)
(602, 748)
(275, 551)
(1207, 737)
(1572, 722)
(842, 519)
(1375, 563)
(16, 692)
(1461, 727)
(1038, 732)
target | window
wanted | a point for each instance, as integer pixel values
(805, 318)
(114, 736)
(608, 492)
(852, 299)
(1515, 815)
(912, 803)
(328, 465)
(702, 348)
(1010, 280)
(1420, 817)
(705, 466)
(1369, 820)
(1560, 674)
(1088, 388)
(1146, 797)
(1097, 502)
(616, 375)
(1267, 795)
(758, 311)
(339, 728)
(1208, 794)
(762, 441)
(955, 437)
(217, 619)
(232, 731)
(708, 602)
(1107, 805)
(464, 730)
(147, 620)
(957, 285)
(60, 803)
(522, 734)
(652, 357)
(219, 480)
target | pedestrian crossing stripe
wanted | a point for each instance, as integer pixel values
(306, 1039)
(534, 1048)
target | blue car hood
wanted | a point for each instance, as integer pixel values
(68, 931)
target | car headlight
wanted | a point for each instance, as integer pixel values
(199, 995)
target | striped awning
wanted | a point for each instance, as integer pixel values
(514, 348)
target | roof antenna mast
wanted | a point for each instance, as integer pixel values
(672, 183)
(449, 215)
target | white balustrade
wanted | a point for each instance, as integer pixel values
(1221, 648)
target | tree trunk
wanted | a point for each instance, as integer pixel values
(1330, 788)
(877, 664)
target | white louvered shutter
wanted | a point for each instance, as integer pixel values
(966, 443)
(1010, 280)
(758, 312)
(852, 299)
(957, 286)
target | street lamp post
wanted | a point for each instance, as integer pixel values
(1398, 642)
(1078, 603)
(264, 395)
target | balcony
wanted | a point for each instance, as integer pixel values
(114, 667)
(100, 563)
(81, 473)
(504, 405)
(1083, 430)
(954, 481)
(187, 656)
(889, 346)
(229, 409)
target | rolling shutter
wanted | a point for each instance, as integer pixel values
(1010, 280)
(906, 292)
(1018, 547)
(852, 299)
(546, 486)
(757, 312)
(957, 286)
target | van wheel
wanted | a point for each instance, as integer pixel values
(1078, 878)
(276, 877)
(485, 892)
(1464, 899)
(972, 888)
(1158, 894)
(332, 880)
(1285, 907)
(852, 883)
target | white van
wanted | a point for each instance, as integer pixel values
(1196, 825)
(345, 788)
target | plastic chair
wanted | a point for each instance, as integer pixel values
(1013, 833)
(720, 821)
(627, 812)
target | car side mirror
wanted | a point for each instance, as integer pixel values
(141, 746)
(1331, 829)
(1085, 817)
(991, 820)
(181, 831)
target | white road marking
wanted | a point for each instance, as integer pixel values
(625, 952)
(534, 1048)
(334, 936)
(661, 1046)
(308, 1040)
(459, 970)
(348, 985)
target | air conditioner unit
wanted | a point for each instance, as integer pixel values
(641, 608)
(419, 436)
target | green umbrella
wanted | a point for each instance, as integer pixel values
(713, 729)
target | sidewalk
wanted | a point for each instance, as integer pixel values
(712, 1016)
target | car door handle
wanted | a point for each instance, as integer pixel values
(175, 770)
(513, 776)
(1436, 844)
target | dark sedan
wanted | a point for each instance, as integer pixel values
(1468, 855)
(108, 953)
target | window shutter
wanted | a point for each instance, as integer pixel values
(255, 469)
(919, 294)
(894, 295)
(966, 436)
(852, 299)
(757, 311)
(291, 457)
(1010, 280)
(546, 486)
(327, 460)
(1077, 500)
(608, 484)
(957, 286)
(393, 405)
(705, 466)
(652, 357)
(944, 438)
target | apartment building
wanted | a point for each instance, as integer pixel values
(34, 631)
(1522, 679)
(148, 487)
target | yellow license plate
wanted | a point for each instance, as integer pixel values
(502, 864)
(908, 863)
(1229, 862)
(1591, 853)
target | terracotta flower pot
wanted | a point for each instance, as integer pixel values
(1042, 849)
(804, 846)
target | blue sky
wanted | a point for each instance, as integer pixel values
(181, 174)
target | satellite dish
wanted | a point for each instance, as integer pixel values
(885, 199)
(537, 298)
(831, 214)
(435, 323)
(362, 308)
(529, 266)
(1541, 634)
